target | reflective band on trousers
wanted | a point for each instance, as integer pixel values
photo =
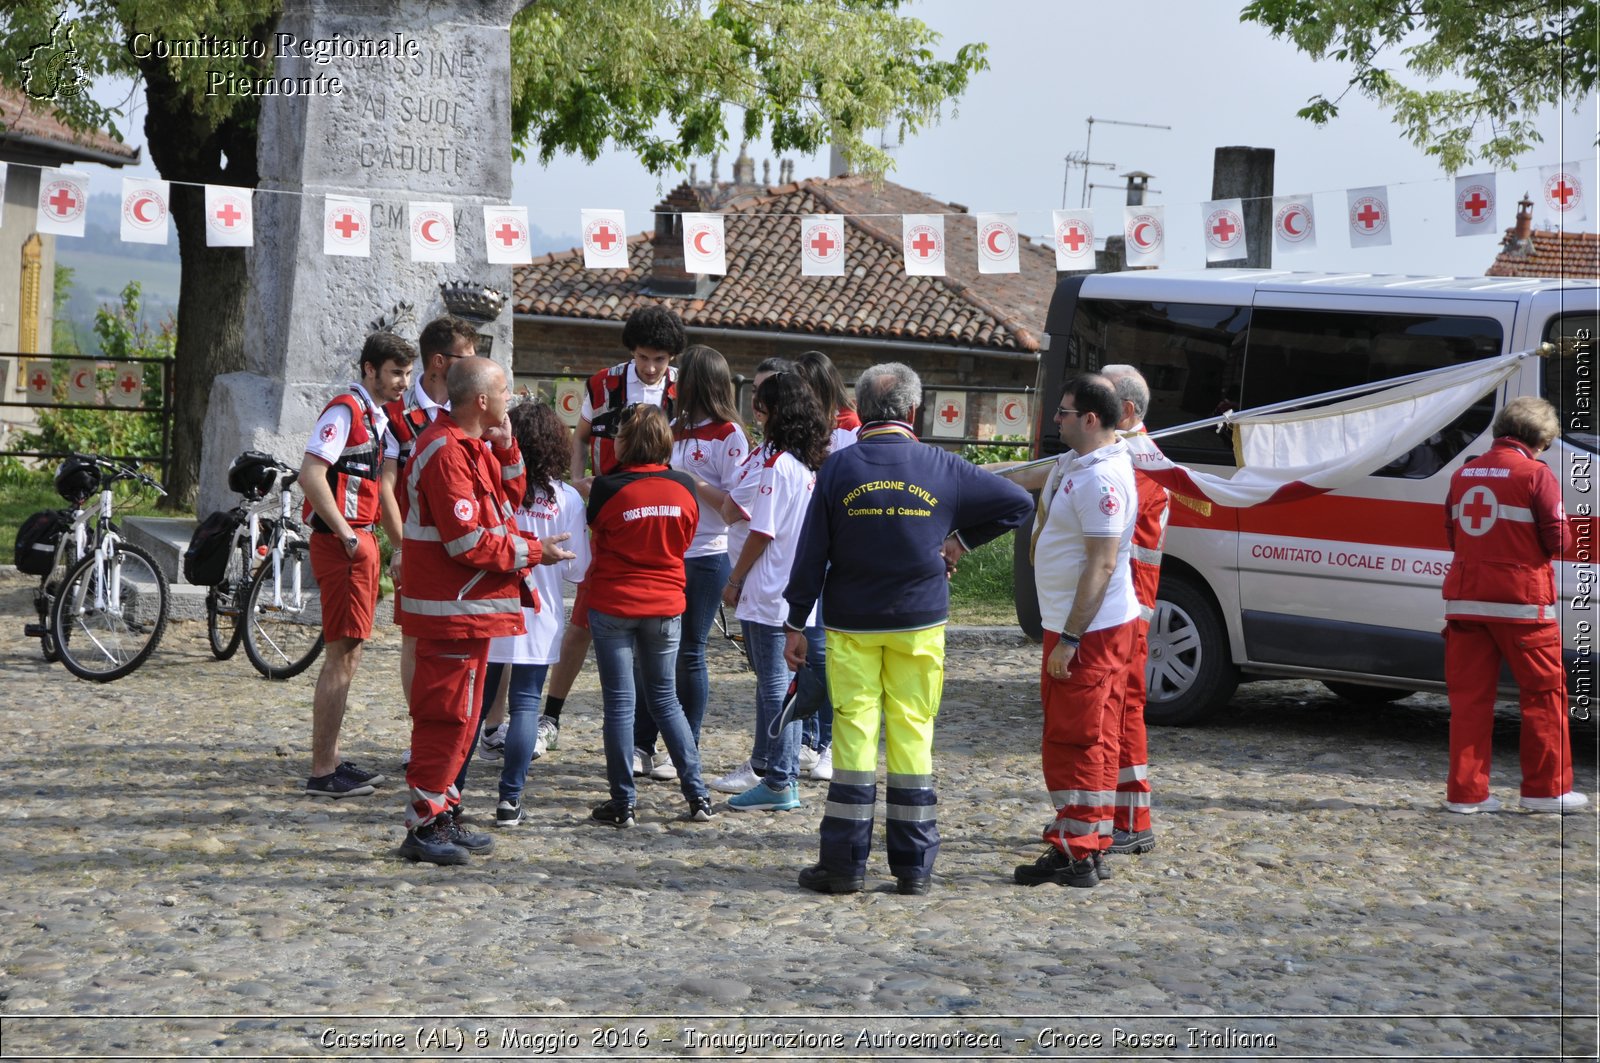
(1146, 555)
(1062, 798)
(1147, 613)
(912, 813)
(465, 607)
(844, 810)
(1076, 827)
(1133, 773)
(1133, 799)
(907, 782)
(1499, 610)
(854, 778)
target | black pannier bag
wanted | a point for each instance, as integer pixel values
(35, 551)
(205, 562)
(252, 474)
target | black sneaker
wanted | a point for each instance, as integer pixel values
(430, 843)
(1056, 866)
(820, 878)
(1102, 866)
(455, 829)
(1132, 841)
(336, 784)
(700, 810)
(616, 813)
(508, 813)
(349, 770)
(912, 885)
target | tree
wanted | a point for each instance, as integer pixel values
(584, 73)
(1512, 57)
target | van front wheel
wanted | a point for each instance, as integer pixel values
(1189, 671)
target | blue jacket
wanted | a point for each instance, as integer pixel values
(880, 513)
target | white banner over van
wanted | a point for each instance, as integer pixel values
(1289, 456)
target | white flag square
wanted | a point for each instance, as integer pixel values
(822, 245)
(63, 202)
(505, 229)
(229, 219)
(922, 236)
(1475, 205)
(145, 210)
(37, 380)
(433, 231)
(1294, 224)
(605, 241)
(1564, 192)
(347, 226)
(704, 244)
(997, 243)
(81, 385)
(1144, 232)
(948, 417)
(1224, 230)
(128, 388)
(1011, 415)
(1368, 216)
(569, 401)
(1074, 238)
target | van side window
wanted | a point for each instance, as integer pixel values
(1192, 355)
(1304, 352)
(1570, 376)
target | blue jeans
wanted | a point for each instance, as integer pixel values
(522, 721)
(619, 641)
(702, 593)
(817, 730)
(777, 760)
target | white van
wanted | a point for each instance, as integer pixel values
(1344, 587)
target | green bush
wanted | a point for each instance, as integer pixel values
(1004, 448)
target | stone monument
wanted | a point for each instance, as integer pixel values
(421, 112)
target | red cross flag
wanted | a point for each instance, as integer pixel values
(63, 202)
(822, 245)
(1224, 230)
(128, 388)
(947, 417)
(997, 244)
(1073, 232)
(1011, 415)
(1475, 205)
(1294, 224)
(605, 241)
(432, 227)
(81, 383)
(36, 378)
(1564, 192)
(506, 231)
(1144, 233)
(144, 210)
(923, 238)
(1368, 216)
(569, 401)
(229, 218)
(347, 226)
(704, 244)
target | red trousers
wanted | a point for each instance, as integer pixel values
(1133, 751)
(1472, 654)
(445, 693)
(1082, 730)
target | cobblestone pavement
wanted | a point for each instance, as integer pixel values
(169, 891)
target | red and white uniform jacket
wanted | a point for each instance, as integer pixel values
(606, 394)
(1505, 521)
(464, 555)
(1149, 540)
(354, 476)
(408, 416)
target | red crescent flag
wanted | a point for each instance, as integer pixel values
(1144, 235)
(81, 386)
(506, 234)
(997, 244)
(347, 226)
(432, 231)
(704, 244)
(63, 202)
(229, 216)
(1011, 414)
(569, 401)
(1294, 224)
(144, 210)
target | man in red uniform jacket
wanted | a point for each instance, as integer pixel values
(461, 585)
(1505, 522)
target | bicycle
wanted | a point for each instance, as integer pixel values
(112, 607)
(76, 479)
(282, 610)
(254, 475)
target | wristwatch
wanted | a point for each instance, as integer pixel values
(352, 540)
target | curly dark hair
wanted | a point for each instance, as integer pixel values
(654, 326)
(545, 443)
(795, 422)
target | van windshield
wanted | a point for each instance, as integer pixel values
(1569, 376)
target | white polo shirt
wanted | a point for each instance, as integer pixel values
(713, 453)
(332, 431)
(774, 495)
(421, 400)
(544, 516)
(1091, 496)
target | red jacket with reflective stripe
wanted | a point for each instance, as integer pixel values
(608, 394)
(406, 422)
(1505, 521)
(1149, 538)
(464, 557)
(354, 478)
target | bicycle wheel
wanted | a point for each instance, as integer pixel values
(223, 629)
(110, 614)
(283, 616)
(44, 600)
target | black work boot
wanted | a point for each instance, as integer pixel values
(822, 879)
(431, 843)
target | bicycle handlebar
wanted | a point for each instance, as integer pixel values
(121, 470)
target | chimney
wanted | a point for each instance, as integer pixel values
(1519, 241)
(1138, 182)
(766, 171)
(694, 173)
(744, 168)
(667, 276)
(837, 167)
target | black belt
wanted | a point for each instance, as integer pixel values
(319, 525)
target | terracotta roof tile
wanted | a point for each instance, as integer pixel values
(23, 117)
(1554, 254)
(764, 289)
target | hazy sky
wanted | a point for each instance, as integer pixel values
(1188, 64)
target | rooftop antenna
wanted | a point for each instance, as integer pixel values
(1078, 158)
(1084, 202)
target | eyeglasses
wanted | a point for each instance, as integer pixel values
(1062, 411)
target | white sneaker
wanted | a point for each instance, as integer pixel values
(641, 762)
(1567, 802)
(663, 770)
(738, 781)
(808, 758)
(405, 758)
(546, 739)
(823, 768)
(492, 744)
(1491, 804)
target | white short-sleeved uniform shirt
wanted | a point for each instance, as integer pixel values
(774, 494)
(842, 437)
(331, 433)
(1094, 497)
(422, 401)
(544, 515)
(713, 452)
(636, 392)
